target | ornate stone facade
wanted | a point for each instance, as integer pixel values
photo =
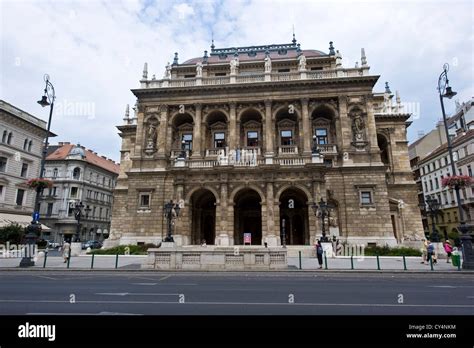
(253, 141)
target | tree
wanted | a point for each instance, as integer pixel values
(12, 233)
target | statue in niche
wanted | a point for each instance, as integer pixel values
(302, 63)
(234, 64)
(198, 69)
(358, 127)
(268, 65)
(151, 136)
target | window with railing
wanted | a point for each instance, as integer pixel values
(252, 138)
(219, 139)
(286, 137)
(3, 164)
(187, 141)
(321, 136)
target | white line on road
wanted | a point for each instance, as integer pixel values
(165, 277)
(101, 313)
(132, 294)
(144, 283)
(251, 303)
(45, 277)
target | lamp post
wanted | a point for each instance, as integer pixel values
(322, 210)
(315, 150)
(171, 212)
(183, 149)
(283, 233)
(433, 210)
(34, 228)
(78, 213)
(445, 91)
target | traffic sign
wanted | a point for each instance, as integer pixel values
(36, 216)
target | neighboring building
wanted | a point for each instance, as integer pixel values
(21, 145)
(79, 175)
(230, 136)
(435, 165)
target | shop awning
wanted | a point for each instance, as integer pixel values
(22, 220)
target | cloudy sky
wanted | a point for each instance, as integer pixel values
(94, 50)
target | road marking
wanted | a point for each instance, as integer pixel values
(45, 277)
(252, 303)
(133, 294)
(144, 283)
(442, 286)
(165, 277)
(101, 313)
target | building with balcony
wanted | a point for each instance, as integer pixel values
(246, 139)
(21, 144)
(78, 175)
(435, 165)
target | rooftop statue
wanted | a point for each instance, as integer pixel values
(268, 65)
(234, 64)
(302, 63)
(168, 71)
(198, 69)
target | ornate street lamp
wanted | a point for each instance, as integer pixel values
(433, 211)
(314, 149)
(322, 210)
(445, 91)
(171, 212)
(283, 233)
(34, 229)
(78, 213)
(183, 149)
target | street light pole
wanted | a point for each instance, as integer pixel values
(171, 212)
(445, 91)
(34, 228)
(283, 231)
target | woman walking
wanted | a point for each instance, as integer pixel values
(66, 250)
(319, 254)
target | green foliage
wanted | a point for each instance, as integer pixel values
(453, 235)
(121, 249)
(12, 233)
(387, 251)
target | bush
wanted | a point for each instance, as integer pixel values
(120, 250)
(387, 251)
(12, 233)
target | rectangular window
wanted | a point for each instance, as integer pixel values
(431, 185)
(436, 183)
(426, 186)
(107, 213)
(283, 70)
(2, 190)
(20, 194)
(219, 140)
(73, 192)
(252, 138)
(366, 197)
(469, 170)
(144, 200)
(286, 137)
(188, 143)
(220, 74)
(49, 210)
(24, 170)
(189, 76)
(3, 164)
(54, 191)
(100, 213)
(321, 136)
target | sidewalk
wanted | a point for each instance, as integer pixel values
(394, 263)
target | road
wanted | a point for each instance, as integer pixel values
(286, 293)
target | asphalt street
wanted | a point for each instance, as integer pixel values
(156, 293)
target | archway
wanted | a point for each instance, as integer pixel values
(294, 210)
(247, 216)
(203, 223)
(384, 149)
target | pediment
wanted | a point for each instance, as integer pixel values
(286, 123)
(218, 125)
(186, 127)
(252, 125)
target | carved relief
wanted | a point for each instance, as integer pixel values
(151, 135)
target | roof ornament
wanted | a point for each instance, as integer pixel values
(212, 42)
(363, 58)
(331, 49)
(387, 88)
(175, 60)
(145, 71)
(356, 66)
(399, 103)
(298, 49)
(127, 115)
(167, 71)
(294, 39)
(204, 58)
(338, 59)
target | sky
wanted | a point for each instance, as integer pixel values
(94, 51)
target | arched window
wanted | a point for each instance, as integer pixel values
(55, 172)
(4, 136)
(10, 136)
(25, 144)
(76, 173)
(30, 145)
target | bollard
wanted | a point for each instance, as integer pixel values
(92, 261)
(378, 263)
(299, 252)
(459, 265)
(352, 262)
(69, 258)
(325, 261)
(404, 263)
(45, 257)
(431, 262)
(116, 261)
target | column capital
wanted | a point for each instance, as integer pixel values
(198, 106)
(304, 101)
(268, 103)
(163, 108)
(233, 105)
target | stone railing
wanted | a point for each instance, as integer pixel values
(214, 152)
(288, 150)
(292, 161)
(255, 78)
(216, 258)
(327, 148)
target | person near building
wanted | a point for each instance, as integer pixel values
(319, 253)
(448, 248)
(66, 251)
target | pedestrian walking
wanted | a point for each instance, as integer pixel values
(449, 249)
(66, 250)
(319, 254)
(431, 255)
(424, 251)
(338, 248)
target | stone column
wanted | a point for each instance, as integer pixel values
(372, 130)
(162, 131)
(180, 230)
(270, 237)
(223, 238)
(232, 126)
(140, 131)
(197, 132)
(307, 132)
(344, 141)
(269, 132)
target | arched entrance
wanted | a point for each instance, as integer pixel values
(294, 210)
(203, 225)
(247, 216)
